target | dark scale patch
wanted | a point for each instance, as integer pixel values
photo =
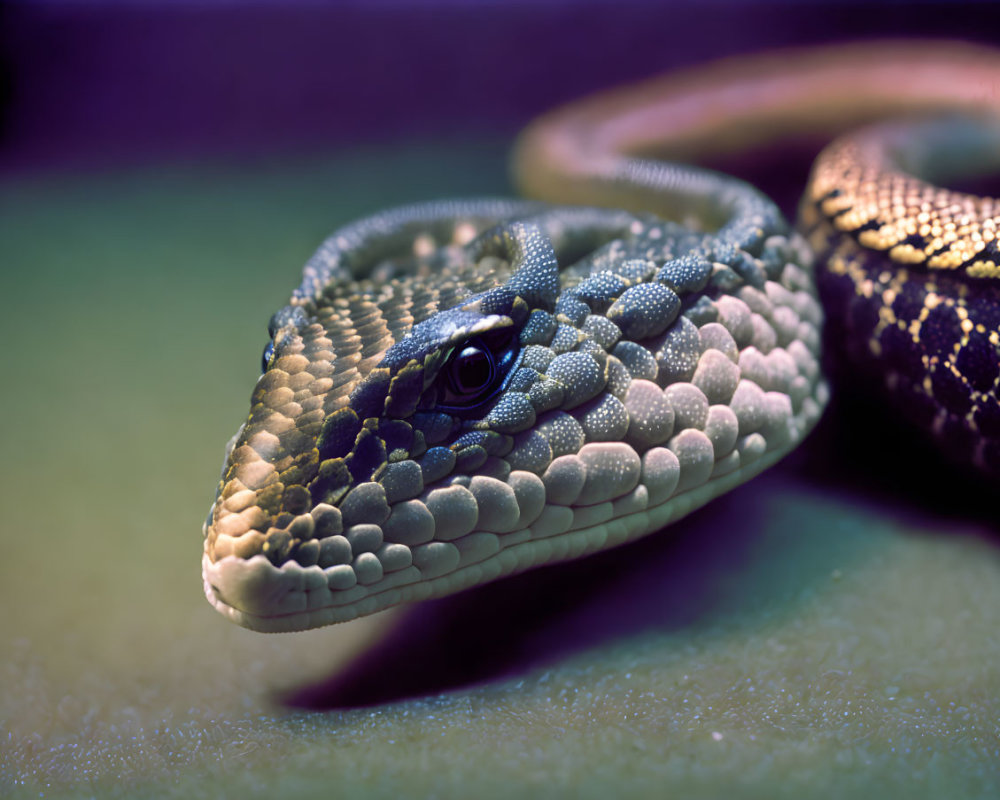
(436, 463)
(686, 274)
(635, 270)
(537, 358)
(901, 354)
(979, 362)
(600, 290)
(436, 426)
(404, 391)
(602, 330)
(645, 310)
(676, 352)
(294, 476)
(469, 459)
(983, 304)
(497, 444)
(574, 310)
(749, 270)
(539, 329)
(302, 469)
(277, 546)
(567, 337)
(283, 520)
(740, 258)
(368, 400)
(470, 439)
(296, 500)
(428, 399)
(941, 331)
(909, 301)
(915, 240)
(725, 279)
(269, 499)
(724, 253)
(396, 434)
(331, 483)
(337, 436)
(950, 390)
(700, 309)
(870, 225)
(546, 395)
(522, 380)
(367, 457)
(294, 441)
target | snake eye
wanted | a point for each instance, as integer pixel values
(267, 355)
(471, 371)
(475, 370)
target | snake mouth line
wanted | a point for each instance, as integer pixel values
(513, 559)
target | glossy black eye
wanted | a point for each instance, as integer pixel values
(471, 371)
(475, 371)
(267, 355)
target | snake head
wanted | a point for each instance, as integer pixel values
(366, 400)
(442, 409)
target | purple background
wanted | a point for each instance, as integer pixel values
(94, 84)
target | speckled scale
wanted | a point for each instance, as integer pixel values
(687, 274)
(645, 310)
(676, 352)
(513, 412)
(602, 330)
(977, 361)
(539, 329)
(573, 309)
(600, 290)
(523, 379)
(563, 433)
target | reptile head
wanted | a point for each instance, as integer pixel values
(442, 412)
(366, 399)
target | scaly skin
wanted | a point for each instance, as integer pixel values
(911, 276)
(459, 391)
(907, 271)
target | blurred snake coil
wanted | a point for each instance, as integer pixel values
(462, 390)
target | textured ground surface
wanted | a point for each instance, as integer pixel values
(800, 637)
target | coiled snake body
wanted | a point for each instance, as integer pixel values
(461, 390)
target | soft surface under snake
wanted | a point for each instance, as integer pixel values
(461, 390)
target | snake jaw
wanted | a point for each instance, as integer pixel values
(642, 375)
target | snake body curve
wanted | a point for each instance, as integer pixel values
(908, 271)
(462, 390)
